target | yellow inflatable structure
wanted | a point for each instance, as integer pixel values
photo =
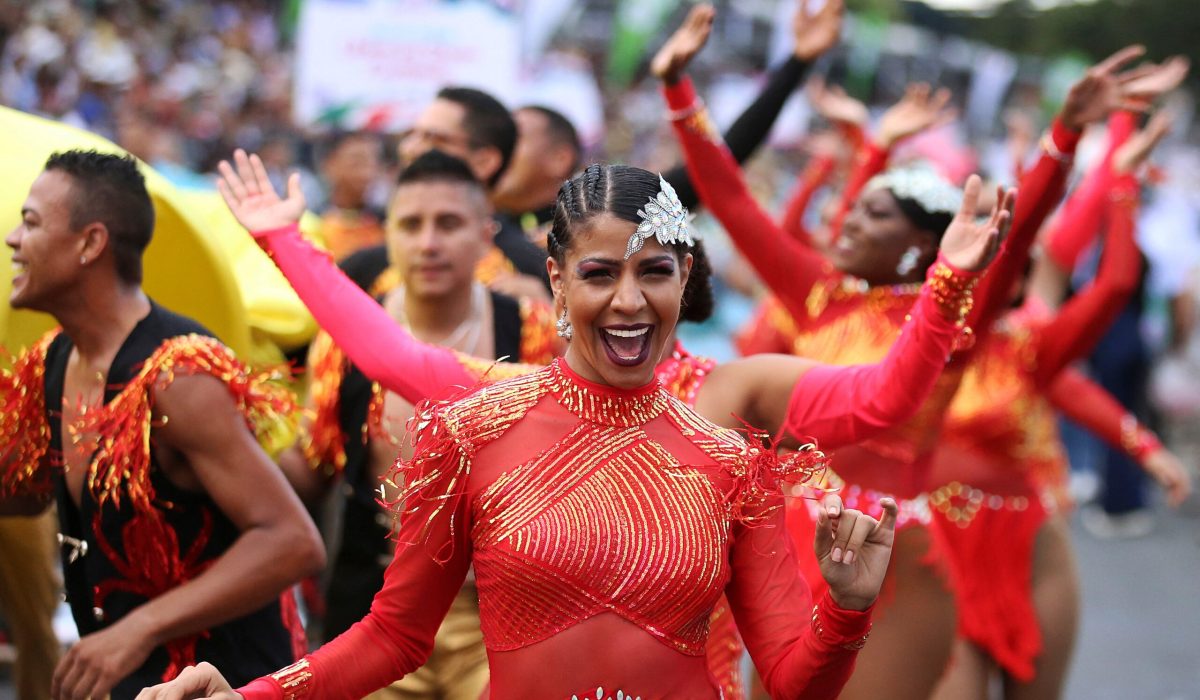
(200, 263)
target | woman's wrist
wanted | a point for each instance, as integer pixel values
(951, 289)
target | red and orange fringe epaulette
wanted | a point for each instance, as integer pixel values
(24, 432)
(118, 433)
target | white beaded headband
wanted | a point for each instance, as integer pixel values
(922, 185)
(664, 217)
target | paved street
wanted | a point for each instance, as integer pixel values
(1141, 622)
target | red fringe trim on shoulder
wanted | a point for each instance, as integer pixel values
(24, 432)
(118, 433)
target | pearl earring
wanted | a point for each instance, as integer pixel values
(565, 331)
(83, 260)
(908, 261)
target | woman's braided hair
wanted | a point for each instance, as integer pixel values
(621, 190)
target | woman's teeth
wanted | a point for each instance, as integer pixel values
(627, 344)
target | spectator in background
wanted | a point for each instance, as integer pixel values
(548, 153)
(351, 166)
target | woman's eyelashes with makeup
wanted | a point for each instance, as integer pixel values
(609, 269)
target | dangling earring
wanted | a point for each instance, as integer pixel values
(908, 261)
(565, 331)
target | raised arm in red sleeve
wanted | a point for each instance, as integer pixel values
(787, 267)
(1079, 220)
(1038, 194)
(769, 597)
(815, 174)
(842, 405)
(1093, 408)
(382, 349)
(1085, 318)
(395, 638)
(870, 160)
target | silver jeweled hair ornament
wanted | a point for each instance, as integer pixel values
(664, 217)
(923, 185)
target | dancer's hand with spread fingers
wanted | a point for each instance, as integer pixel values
(853, 550)
(835, 106)
(921, 108)
(969, 244)
(248, 193)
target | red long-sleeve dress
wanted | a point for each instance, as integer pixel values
(603, 525)
(999, 466)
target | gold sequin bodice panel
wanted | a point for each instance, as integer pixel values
(585, 500)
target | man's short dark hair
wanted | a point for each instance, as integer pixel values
(109, 189)
(337, 139)
(561, 131)
(438, 166)
(487, 123)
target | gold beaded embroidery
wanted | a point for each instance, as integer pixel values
(605, 519)
(819, 629)
(296, 680)
(952, 291)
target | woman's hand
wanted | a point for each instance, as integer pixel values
(1138, 147)
(921, 108)
(815, 33)
(972, 245)
(249, 195)
(200, 681)
(834, 105)
(1103, 89)
(675, 55)
(854, 549)
(1171, 475)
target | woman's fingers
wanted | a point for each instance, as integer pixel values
(245, 171)
(232, 182)
(864, 525)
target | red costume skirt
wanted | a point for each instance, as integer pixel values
(989, 542)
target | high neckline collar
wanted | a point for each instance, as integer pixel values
(604, 404)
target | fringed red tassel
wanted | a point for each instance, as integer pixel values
(118, 433)
(434, 479)
(764, 471)
(325, 444)
(24, 432)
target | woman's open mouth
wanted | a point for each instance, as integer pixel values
(627, 346)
